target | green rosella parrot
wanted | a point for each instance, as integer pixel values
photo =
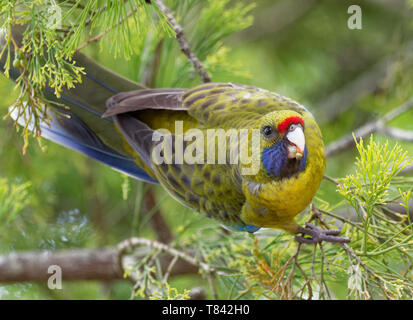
(113, 120)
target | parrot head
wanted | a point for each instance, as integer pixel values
(283, 145)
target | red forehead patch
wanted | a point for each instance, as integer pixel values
(283, 126)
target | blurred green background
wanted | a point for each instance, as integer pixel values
(302, 49)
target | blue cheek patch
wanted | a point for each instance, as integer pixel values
(274, 159)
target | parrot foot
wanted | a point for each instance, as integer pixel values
(318, 235)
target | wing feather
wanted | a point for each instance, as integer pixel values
(125, 102)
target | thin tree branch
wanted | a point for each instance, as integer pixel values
(79, 264)
(76, 265)
(183, 43)
(396, 133)
(132, 243)
(367, 129)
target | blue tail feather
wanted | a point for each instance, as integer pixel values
(70, 132)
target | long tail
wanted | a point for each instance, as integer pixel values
(81, 126)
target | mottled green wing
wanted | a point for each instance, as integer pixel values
(206, 188)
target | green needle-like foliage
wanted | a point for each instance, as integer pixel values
(13, 198)
(44, 57)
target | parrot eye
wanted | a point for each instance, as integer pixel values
(267, 131)
(294, 126)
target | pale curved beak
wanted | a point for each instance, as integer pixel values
(296, 143)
